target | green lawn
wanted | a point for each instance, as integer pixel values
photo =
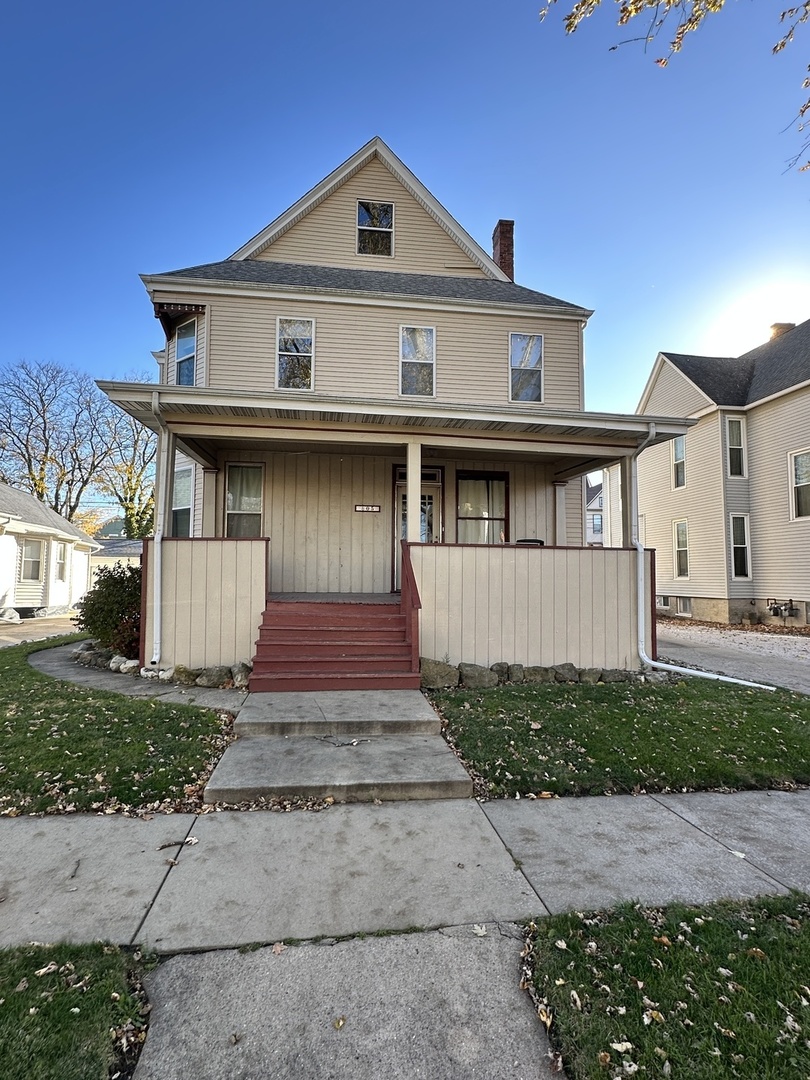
(700, 993)
(70, 1012)
(628, 737)
(69, 748)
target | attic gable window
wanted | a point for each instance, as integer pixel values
(526, 367)
(294, 367)
(185, 352)
(375, 228)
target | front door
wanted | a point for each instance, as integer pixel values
(430, 516)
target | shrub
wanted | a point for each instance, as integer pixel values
(111, 610)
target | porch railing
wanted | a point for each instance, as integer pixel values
(409, 604)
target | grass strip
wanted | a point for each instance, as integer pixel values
(706, 993)
(70, 1012)
(68, 748)
(629, 737)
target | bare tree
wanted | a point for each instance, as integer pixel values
(129, 476)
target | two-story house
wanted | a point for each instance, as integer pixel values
(373, 443)
(727, 505)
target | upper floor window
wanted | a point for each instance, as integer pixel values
(681, 538)
(679, 462)
(61, 562)
(735, 428)
(526, 367)
(185, 353)
(417, 360)
(181, 503)
(294, 368)
(375, 228)
(243, 501)
(597, 523)
(31, 568)
(800, 482)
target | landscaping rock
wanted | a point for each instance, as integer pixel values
(565, 673)
(116, 662)
(166, 675)
(614, 675)
(129, 667)
(436, 675)
(186, 676)
(149, 673)
(214, 676)
(475, 677)
(501, 670)
(590, 675)
(535, 674)
(517, 673)
(85, 646)
(240, 673)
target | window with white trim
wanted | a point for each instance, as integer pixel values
(735, 438)
(295, 356)
(243, 501)
(31, 566)
(61, 562)
(597, 523)
(185, 353)
(525, 367)
(683, 605)
(375, 228)
(181, 503)
(679, 462)
(417, 360)
(800, 483)
(680, 531)
(740, 556)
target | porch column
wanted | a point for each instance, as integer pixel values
(628, 502)
(209, 483)
(560, 532)
(164, 482)
(413, 532)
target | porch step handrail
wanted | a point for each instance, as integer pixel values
(409, 604)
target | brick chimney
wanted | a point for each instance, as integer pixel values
(779, 328)
(503, 247)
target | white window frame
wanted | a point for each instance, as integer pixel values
(189, 469)
(676, 461)
(542, 398)
(594, 528)
(410, 326)
(793, 486)
(186, 359)
(683, 606)
(374, 228)
(742, 448)
(732, 546)
(296, 389)
(676, 549)
(60, 561)
(27, 559)
(235, 513)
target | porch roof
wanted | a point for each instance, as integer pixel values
(195, 412)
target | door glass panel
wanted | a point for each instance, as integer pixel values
(426, 519)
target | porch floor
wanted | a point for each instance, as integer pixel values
(336, 597)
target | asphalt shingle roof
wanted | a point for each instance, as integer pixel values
(33, 512)
(769, 369)
(337, 279)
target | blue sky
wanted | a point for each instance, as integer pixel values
(148, 137)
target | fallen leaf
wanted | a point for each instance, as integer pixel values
(190, 841)
(479, 930)
(621, 1047)
(338, 1023)
(604, 1058)
(278, 948)
(171, 862)
(47, 969)
(21, 985)
(561, 944)
(235, 1038)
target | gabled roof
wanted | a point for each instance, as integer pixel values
(770, 369)
(386, 283)
(375, 148)
(591, 491)
(30, 511)
(120, 548)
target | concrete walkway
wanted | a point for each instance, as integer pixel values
(443, 1002)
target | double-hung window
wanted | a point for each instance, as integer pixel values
(31, 568)
(243, 501)
(181, 503)
(61, 562)
(740, 560)
(679, 462)
(185, 353)
(680, 531)
(295, 356)
(525, 367)
(735, 434)
(375, 228)
(597, 523)
(800, 483)
(417, 360)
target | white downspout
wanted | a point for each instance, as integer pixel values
(640, 583)
(160, 517)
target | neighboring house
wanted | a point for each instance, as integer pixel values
(117, 551)
(594, 515)
(44, 559)
(359, 374)
(727, 505)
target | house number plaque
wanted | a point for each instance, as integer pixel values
(366, 509)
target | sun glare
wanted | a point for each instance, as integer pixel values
(746, 322)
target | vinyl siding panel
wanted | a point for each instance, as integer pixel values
(327, 235)
(700, 503)
(779, 546)
(674, 395)
(357, 349)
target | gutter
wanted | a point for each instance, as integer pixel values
(160, 517)
(641, 605)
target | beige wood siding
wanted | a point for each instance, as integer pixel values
(529, 605)
(700, 503)
(357, 350)
(200, 373)
(780, 548)
(214, 593)
(674, 395)
(575, 513)
(327, 235)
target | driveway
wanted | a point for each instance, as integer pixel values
(14, 633)
(757, 656)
